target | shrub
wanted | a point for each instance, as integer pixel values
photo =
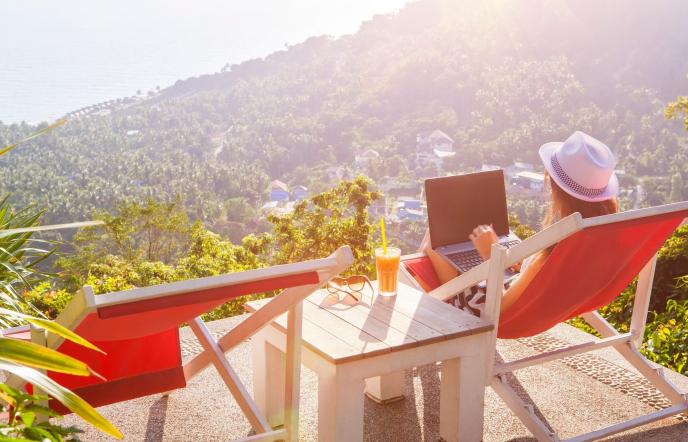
(22, 422)
(666, 332)
(666, 336)
(50, 302)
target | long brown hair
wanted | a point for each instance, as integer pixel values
(563, 205)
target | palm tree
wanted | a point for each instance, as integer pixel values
(19, 258)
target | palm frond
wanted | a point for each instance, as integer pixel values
(65, 396)
(48, 128)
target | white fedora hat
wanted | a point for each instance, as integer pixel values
(582, 166)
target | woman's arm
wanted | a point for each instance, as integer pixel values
(444, 271)
(483, 237)
(519, 285)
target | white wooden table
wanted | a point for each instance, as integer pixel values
(347, 343)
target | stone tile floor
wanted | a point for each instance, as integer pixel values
(578, 394)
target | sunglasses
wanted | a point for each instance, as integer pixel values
(352, 285)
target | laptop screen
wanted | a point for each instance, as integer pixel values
(458, 204)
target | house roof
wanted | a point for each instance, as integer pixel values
(369, 154)
(300, 187)
(523, 165)
(434, 134)
(411, 212)
(278, 185)
(270, 205)
(531, 176)
(443, 153)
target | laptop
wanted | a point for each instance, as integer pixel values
(458, 204)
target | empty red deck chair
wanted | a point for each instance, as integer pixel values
(139, 331)
(604, 253)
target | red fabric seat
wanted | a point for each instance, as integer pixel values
(138, 330)
(141, 341)
(421, 268)
(573, 280)
(133, 368)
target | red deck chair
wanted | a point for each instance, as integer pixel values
(606, 253)
(139, 331)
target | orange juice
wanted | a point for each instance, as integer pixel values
(387, 265)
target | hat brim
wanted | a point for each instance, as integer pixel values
(547, 150)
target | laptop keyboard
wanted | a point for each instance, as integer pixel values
(468, 259)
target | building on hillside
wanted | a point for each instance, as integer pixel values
(529, 180)
(278, 208)
(405, 214)
(488, 167)
(433, 147)
(269, 206)
(409, 203)
(434, 140)
(367, 157)
(524, 166)
(278, 191)
(511, 171)
(299, 192)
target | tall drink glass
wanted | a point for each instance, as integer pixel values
(387, 265)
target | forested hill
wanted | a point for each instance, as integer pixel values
(500, 77)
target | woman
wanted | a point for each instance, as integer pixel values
(580, 175)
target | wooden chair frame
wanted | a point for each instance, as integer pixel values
(626, 344)
(288, 301)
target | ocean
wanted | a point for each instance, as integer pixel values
(57, 57)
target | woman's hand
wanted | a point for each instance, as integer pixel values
(483, 237)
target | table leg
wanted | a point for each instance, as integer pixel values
(340, 407)
(269, 367)
(462, 399)
(387, 388)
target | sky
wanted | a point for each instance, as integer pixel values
(62, 55)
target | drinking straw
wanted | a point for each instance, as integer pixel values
(384, 237)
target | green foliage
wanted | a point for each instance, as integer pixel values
(523, 231)
(297, 113)
(666, 332)
(24, 411)
(206, 255)
(45, 299)
(22, 359)
(109, 260)
(20, 256)
(528, 209)
(678, 109)
(676, 194)
(153, 231)
(42, 131)
(325, 222)
(666, 336)
(407, 235)
(239, 216)
(672, 266)
(18, 267)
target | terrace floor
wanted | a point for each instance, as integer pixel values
(577, 394)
